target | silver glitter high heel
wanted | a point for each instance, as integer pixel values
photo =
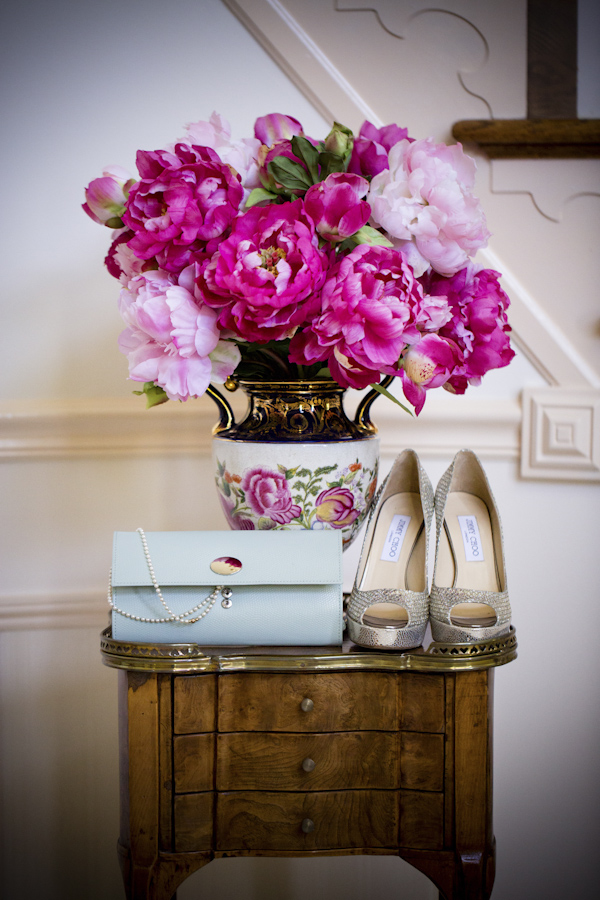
(469, 597)
(388, 606)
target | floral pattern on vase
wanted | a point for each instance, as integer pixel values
(334, 496)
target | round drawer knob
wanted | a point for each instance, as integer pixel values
(308, 764)
(307, 826)
(307, 705)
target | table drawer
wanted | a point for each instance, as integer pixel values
(193, 822)
(308, 762)
(353, 701)
(326, 820)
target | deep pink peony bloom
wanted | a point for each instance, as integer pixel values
(268, 494)
(184, 199)
(337, 207)
(171, 339)
(335, 506)
(369, 307)
(428, 364)
(240, 155)
(371, 148)
(266, 275)
(478, 325)
(424, 201)
(105, 197)
(121, 261)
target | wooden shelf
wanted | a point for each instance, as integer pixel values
(532, 138)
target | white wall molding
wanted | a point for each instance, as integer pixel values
(122, 427)
(561, 434)
(81, 609)
(97, 427)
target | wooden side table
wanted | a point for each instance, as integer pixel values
(292, 752)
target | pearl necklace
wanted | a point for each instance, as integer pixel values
(208, 602)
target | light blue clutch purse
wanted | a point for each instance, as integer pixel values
(227, 588)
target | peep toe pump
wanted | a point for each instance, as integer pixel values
(388, 606)
(469, 597)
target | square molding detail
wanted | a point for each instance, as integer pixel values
(561, 434)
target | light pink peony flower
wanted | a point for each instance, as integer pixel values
(371, 148)
(478, 324)
(106, 196)
(335, 506)
(266, 275)
(171, 338)
(424, 201)
(369, 307)
(276, 127)
(268, 494)
(428, 364)
(337, 207)
(183, 200)
(240, 155)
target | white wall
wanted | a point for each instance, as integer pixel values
(85, 85)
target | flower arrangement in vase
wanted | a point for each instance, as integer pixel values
(284, 259)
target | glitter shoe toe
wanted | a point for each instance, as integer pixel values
(388, 606)
(469, 597)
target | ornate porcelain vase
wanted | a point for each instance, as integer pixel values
(296, 460)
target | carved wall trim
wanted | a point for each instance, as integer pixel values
(561, 434)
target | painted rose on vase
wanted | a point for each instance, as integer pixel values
(329, 497)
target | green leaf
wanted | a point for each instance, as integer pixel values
(221, 467)
(330, 162)
(259, 195)
(304, 150)
(386, 393)
(325, 470)
(291, 175)
(154, 394)
(368, 235)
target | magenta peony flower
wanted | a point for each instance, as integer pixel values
(171, 338)
(424, 201)
(336, 507)
(268, 494)
(105, 197)
(479, 324)
(240, 155)
(336, 205)
(428, 364)
(371, 148)
(266, 275)
(369, 307)
(184, 199)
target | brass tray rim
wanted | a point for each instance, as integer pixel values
(189, 658)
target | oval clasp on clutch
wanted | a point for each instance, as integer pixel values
(226, 565)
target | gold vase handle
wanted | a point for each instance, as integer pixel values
(362, 418)
(226, 416)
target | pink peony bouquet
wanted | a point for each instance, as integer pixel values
(281, 257)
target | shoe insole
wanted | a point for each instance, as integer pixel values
(396, 557)
(466, 557)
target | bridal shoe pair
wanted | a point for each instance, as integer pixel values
(390, 605)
